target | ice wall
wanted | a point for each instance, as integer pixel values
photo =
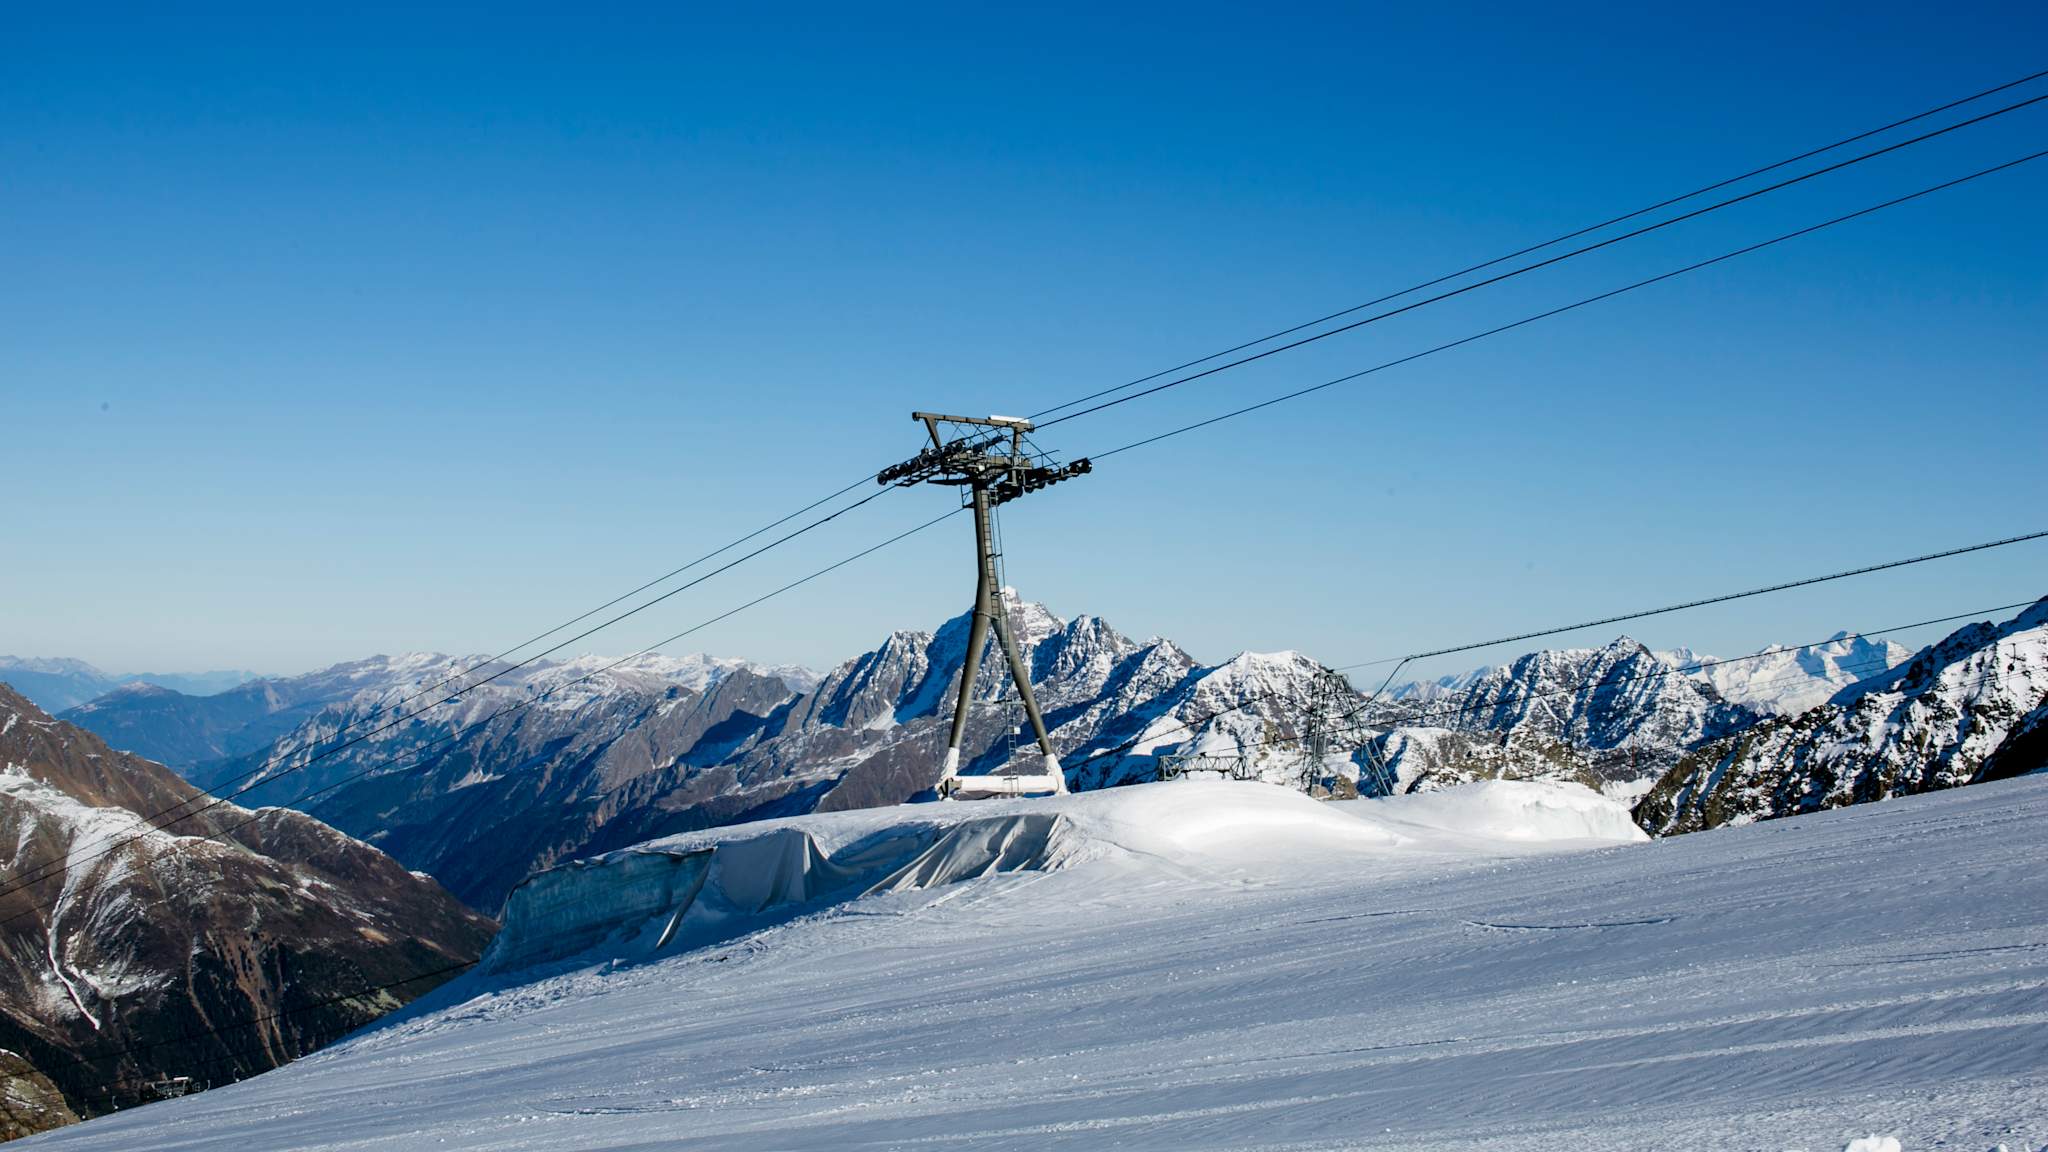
(638, 901)
(575, 907)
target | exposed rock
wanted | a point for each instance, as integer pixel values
(136, 953)
(1432, 759)
(29, 1103)
(1966, 709)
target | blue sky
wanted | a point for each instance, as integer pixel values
(372, 330)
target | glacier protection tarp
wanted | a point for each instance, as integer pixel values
(632, 902)
(574, 907)
(978, 848)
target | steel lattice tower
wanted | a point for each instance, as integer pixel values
(1322, 723)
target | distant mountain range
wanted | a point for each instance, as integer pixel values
(605, 757)
(1614, 717)
(565, 758)
(1787, 681)
(56, 684)
(1617, 713)
(135, 953)
(1971, 707)
(1776, 681)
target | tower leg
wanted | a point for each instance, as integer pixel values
(977, 632)
(1022, 677)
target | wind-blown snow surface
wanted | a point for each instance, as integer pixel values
(1232, 966)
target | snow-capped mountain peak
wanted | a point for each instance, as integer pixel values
(1968, 708)
(1782, 681)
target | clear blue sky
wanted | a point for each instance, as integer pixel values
(367, 330)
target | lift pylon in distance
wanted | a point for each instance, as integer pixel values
(989, 461)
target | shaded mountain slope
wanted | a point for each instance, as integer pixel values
(29, 1103)
(133, 955)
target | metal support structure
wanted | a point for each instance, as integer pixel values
(1323, 729)
(1374, 771)
(1322, 723)
(991, 466)
(1177, 765)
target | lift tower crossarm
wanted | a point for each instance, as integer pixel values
(993, 468)
(932, 420)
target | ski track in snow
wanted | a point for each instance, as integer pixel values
(1793, 984)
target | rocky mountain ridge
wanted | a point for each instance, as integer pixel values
(1616, 717)
(216, 947)
(624, 768)
(1972, 707)
(559, 760)
(566, 759)
(187, 731)
(1628, 712)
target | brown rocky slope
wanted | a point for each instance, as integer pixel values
(136, 955)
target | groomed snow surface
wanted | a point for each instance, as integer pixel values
(1218, 965)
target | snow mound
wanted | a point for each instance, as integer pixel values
(1875, 1144)
(1207, 821)
(704, 887)
(1523, 811)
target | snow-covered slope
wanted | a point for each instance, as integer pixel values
(1260, 979)
(699, 888)
(1960, 711)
